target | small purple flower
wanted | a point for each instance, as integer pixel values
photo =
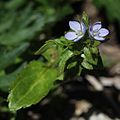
(97, 32)
(78, 32)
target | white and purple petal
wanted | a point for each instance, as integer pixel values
(71, 35)
(77, 39)
(74, 25)
(103, 32)
(97, 26)
(99, 38)
(83, 27)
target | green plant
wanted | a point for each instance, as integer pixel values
(59, 57)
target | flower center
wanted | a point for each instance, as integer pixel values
(79, 33)
(95, 33)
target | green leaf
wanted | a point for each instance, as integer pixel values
(52, 50)
(32, 85)
(74, 63)
(60, 77)
(46, 46)
(63, 42)
(85, 19)
(91, 55)
(51, 55)
(67, 54)
(87, 65)
(96, 43)
(60, 42)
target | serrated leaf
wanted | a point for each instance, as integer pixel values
(96, 43)
(60, 77)
(72, 65)
(46, 46)
(87, 65)
(51, 55)
(67, 54)
(61, 42)
(51, 50)
(90, 55)
(32, 85)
